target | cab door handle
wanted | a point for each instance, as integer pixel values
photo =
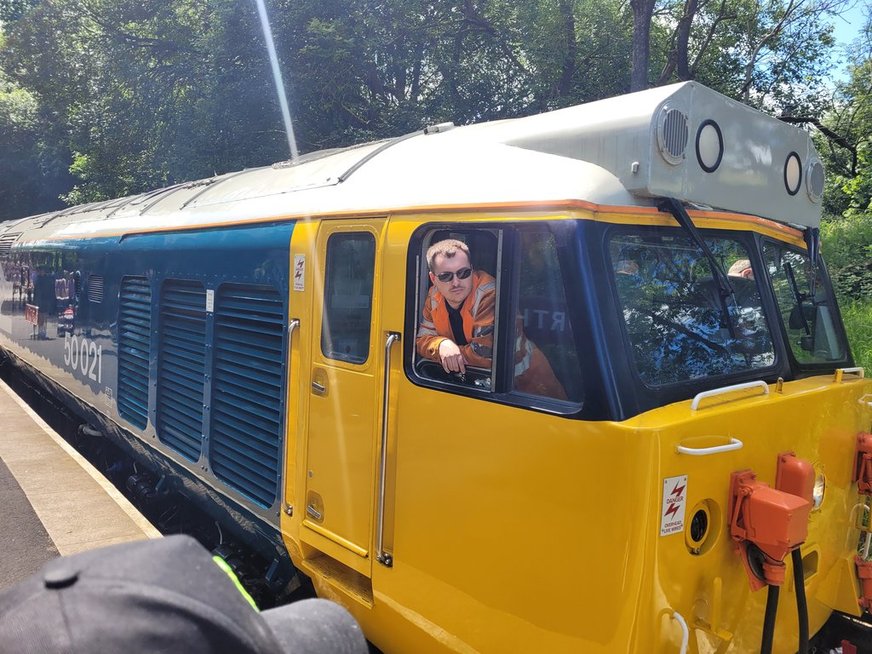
(313, 512)
(319, 381)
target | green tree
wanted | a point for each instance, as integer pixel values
(137, 95)
(849, 159)
(32, 171)
(768, 53)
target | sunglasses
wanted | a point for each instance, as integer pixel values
(463, 273)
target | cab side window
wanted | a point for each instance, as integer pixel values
(348, 297)
(507, 319)
(802, 292)
(457, 314)
(545, 358)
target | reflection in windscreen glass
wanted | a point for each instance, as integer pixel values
(804, 304)
(679, 323)
(546, 361)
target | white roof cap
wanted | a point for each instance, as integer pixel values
(683, 141)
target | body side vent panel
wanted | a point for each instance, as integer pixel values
(134, 349)
(248, 389)
(181, 366)
(95, 289)
(7, 240)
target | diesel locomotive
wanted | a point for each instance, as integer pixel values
(700, 483)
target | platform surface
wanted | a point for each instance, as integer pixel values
(52, 500)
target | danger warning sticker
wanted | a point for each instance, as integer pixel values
(674, 503)
(299, 272)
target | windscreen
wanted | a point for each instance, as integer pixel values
(680, 323)
(806, 307)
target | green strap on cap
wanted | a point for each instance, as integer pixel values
(221, 563)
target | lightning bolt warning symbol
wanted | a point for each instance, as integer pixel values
(299, 272)
(674, 500)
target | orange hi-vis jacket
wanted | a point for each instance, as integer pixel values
(477, 312)
(533, 373)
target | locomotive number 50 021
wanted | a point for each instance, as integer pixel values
(84, 355)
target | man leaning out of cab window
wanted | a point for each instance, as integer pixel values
(457, 324)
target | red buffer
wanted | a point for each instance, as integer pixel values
(863, 464)
(864, 574)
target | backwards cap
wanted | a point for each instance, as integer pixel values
(164, 595)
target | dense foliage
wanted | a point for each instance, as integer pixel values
(847, 248)
(100, 98)
(858, 321)
(847, 227)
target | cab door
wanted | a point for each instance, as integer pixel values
(343, 392)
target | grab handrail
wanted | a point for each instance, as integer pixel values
(381, 556)
(734, 444)
(685, 632)
(293, 325)
(728, 389)
(841, 372)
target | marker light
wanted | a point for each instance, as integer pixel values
(792, 173)
(709, 146)
(817, 495)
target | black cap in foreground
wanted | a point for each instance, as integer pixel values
(163, 595)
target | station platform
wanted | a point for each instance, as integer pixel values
(52, 500)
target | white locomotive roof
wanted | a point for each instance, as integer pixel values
(624, 151)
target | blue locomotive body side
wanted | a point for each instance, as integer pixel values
(174, 341)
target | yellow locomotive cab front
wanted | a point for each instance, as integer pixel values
(700, 580)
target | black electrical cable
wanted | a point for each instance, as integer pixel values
(769, 620)
(801, 604)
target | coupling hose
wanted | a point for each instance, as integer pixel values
(769, 620)
(801, 603)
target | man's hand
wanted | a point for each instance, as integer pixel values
(452, 359)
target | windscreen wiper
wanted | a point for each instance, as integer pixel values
(725, 289)
(797, 296)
